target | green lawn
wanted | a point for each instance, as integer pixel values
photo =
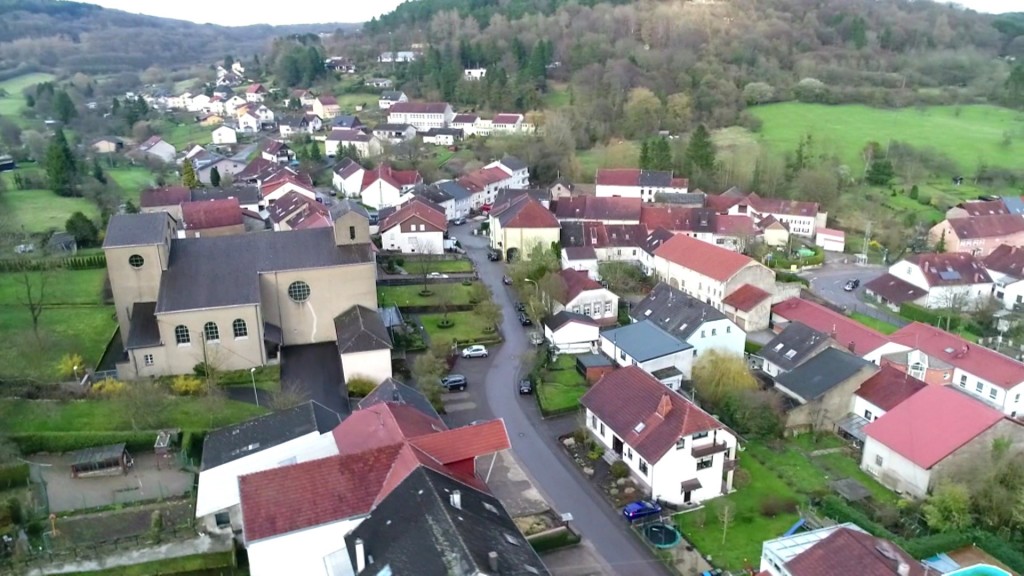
(468, 327)
(748, 528)
(198, 564)
(841, 465)
(34, 416)
(790, 464)
(62, 287)
(13, 102)
(410, 295)
(619, 154)
(416, 266)
(132, 180)
(871, 322)
(557, 96)
(561, 386)
(181, 136)
(967, 134)
(37, 211)
(348, 102)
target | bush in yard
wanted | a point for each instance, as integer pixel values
(70, 366)
(156, 526)
(13, 511)
(773, 505)
(14, 476)
(185, 385)
(740, 479)
(595, 453)
(108, 387)
(619, 469)
(360, 387)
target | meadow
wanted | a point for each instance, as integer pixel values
(12, 103)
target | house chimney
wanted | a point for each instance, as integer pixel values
(665, 406)
(903, 569)
(492, 561)
(852, 346)
(456, 499)
(360, 555)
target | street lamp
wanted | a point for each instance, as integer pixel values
(252, 374)
(75, 369)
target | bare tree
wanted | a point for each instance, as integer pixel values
(33, 297)
(725, 516)
(144, 404)
(291, 395)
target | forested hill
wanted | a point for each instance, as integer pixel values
(77, 37)
(417, 12)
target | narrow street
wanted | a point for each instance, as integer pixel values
(534, 439)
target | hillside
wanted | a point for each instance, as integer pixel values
(73, 37)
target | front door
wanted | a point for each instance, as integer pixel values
(686, 496)
(617, 445)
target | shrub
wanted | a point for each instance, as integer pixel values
(741, 479)
(13, 476)
(774, 505)
(108, 387)
(360, 387)
(13, 511)
(619, 469)
(595, 453)
(156, 526)
(185, 385)
(835, 508)
(59, 442)
(70, 366)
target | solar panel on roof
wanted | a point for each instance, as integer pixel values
(949, 275)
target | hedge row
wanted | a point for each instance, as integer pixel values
(13, 476)
(36, 264)
(60, 442)
(917, 313)
(789, 277)
(837, 509)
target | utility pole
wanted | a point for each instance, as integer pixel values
(867, 242)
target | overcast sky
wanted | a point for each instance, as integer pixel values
(237, 13)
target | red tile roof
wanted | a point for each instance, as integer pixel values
(746, 297)
(256, 89)
(738, 226)
(950, 269)
(983, 207)
(507, 119)
(894, 290)
(618, 177)
(418, 107)
(987, 226)
(888, 387)
(381, 425)
(600, 208)
(721, 202)
(465, 443)
(280, 180)
(478, 180)
(576, 282)
(465, 119)
(417, 208)
(165, 196)
(211, 214)
(703, 258)
(327, 101)
(782, 206)
(843, 330)
(397, 178)
(832, 232)
(847, 552)
(979, 361)
(677, 218)
(932, 424)
(525, 212)
(629, 396)
(1007, 260)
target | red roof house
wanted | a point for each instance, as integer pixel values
(212, 218)
(703, 258)
(887, 389)
(855, 336)
(848, 551)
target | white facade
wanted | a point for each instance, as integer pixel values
(1009, 291)
(600, 304)
(865, 409)
(232, 104)
(588, 265)
(224, 135)
(309, 552)
(664, 478)
(350, 186)
(1008, 402)
(573, 337)
(248, 122)
(894, 470)
(474, 73)
(365, 148)
(830, 241)
(722, 335)
(218, 486)
(381, 194)
(644, 192)
(682, 361)
(198, 103)
(958, 296)
(419, 242)
(285, 188)
(517, 179)
(691, 282)
(422, 121)
(372, 364)
(439, 139)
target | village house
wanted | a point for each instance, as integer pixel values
(108, 145)
(474, 73)
(211, 218)
(401, 56)
(521, 225)
(465, 122)
(1005, 265)
(442, 136)
(697, 323)
(273, 188)
(224, 135)
(647, 346)
(794, 345)
(819, 392)
(276, 151)
(830, 240)
(347, 177)
(422, 115)
(366, 145)
(571, 333)
(956, 281)
(326, 107)
(876, 396)
(915, 445)
(297, 211)
(349, 121)
(255, 93)
(486, 182)
(978, 235)
(838, 549)
(394, 133)
(384, 186)
(447, 195)
(249, 122)
(679, 453)
(416, 227)
(608, 210)
(581, 258)
(801, 218)
(595, 242)
(848, 334)
(203, 164)
(577, 292)
(155, 147)
(633, 183)
(390, 97)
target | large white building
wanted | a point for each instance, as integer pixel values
(1005, 265)
(633, 183)
(697, 323)
(422, 115)
(954, 280)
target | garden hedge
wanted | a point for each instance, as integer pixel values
(71, 263)
(13, 476)
(60, 442)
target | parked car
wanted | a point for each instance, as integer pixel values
(454, 382)
(459, 221)
(506, 280)
(525, 386)
(520, 307)
(536, 338)
(436, 275)
(477, 351)
(852, 285)
(641, 509)
(494, 255)
(524, 319)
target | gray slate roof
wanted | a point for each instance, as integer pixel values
(417, 531)
(564, 317)
(137, 229)
(454, 189)
(230, 443)
(796, 344)
(655, 179)
(828, 369)
(246, 193)
(198, 267)
(432, 193)
(360, 329)
(394, 392)
(645, 341)
(674, 311)
(513, 163)
(339, 208)
(143, 331)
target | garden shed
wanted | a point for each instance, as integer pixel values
(100, 461)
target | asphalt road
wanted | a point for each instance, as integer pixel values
(828, 282)
(492, 393)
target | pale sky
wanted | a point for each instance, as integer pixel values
(239, 13)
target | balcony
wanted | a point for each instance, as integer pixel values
(729, 465)
(708, 449)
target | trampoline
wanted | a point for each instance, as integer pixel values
(662, 535)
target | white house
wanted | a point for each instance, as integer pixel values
(633, 183)
(474, 73)
(295, 435)
(1005, 265)
(422, 115)
(364, 344)
(910, 453)
(465, 122)
(284, 182)
(508, 124)
(249, 122)
(384, 186)
(879, 394)
(347, 177)
(198, 103)
(517, 170)
(952, 280)
(255, 93)
(390, 97)
(830, 240)
(581, 294)
(697, 323)
(442, 136)
(231, 105)
(415, 228)
(367, 145)
(582, 258)
(157, 147)
(400, 56)
(224, 135)
(679, 453)
(648, 347)
(449, 195)
(572, 333)
(801, 218)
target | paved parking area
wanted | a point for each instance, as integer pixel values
(315, 371)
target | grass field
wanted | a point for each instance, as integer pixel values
(875, 323)
(416, 266)
(348, 102)
(132, 180)
(618, 154)
(36, 211)
(468, 327)
(217, 563)
(562, 385)
(74, 320)
(13, 102)
(32, 416)
(557, 96)
(967, 134)
(182, 135)
(409, 295)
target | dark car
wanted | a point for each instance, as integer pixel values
(641, 509)
(454, 382)
(506, 280)
(520, 307)
(851, 285)
(525, 386)
(524, 319)
(493, 255)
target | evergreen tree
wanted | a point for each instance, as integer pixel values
(536, 67)
(61, 171)
(660, 155)
(645, 155)
(349, 151)
(83, 229)
(215, 177)
(188, 175)
(881, 172)
(941, 246)
(97, 171)
(314, 152)
(115, 106)
(63, 107)
(700, 152)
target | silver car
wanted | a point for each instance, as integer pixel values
(477, 351)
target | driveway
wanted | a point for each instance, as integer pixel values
(315, 371)
(534, 440)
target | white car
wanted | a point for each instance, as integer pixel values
(437, 275)
(477, 351)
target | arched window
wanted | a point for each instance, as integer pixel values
(181, 335)
(210, 332)
(239, 328)
(298, 291)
